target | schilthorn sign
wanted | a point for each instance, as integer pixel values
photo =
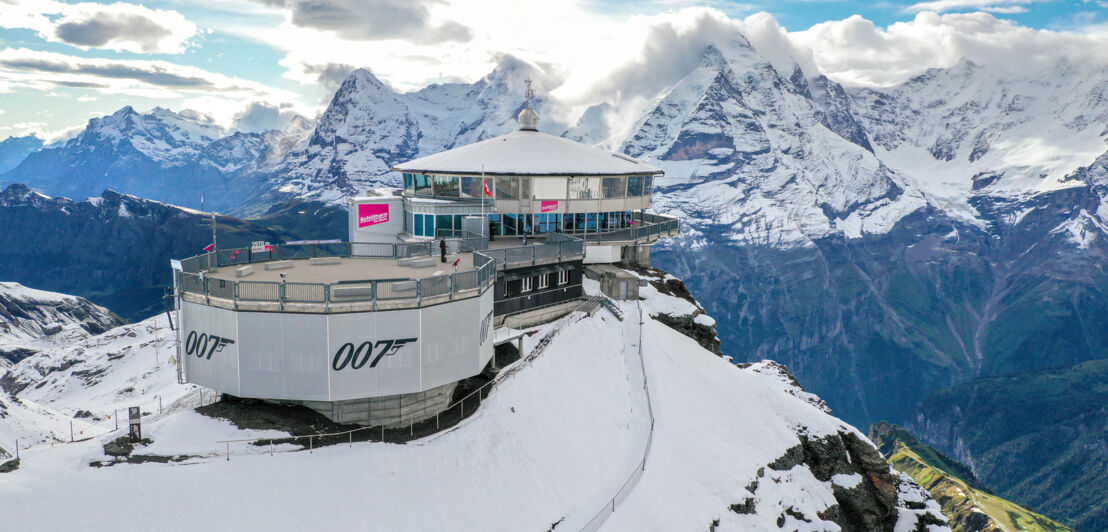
(372, 214)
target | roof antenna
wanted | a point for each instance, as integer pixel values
(528, 118)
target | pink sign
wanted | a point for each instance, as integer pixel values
(548, 206)
(372, 214)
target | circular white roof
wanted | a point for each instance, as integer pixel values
(528, 153)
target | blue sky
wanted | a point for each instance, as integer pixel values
(63, 62)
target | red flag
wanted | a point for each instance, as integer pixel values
(456, 261)
(234, 253)
(485, 183)
(209, 247)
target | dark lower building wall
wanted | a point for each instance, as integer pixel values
(527, 288)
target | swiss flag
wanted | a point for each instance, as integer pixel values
(485, 183)
(209, 247)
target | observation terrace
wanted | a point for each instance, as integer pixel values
(358, 277)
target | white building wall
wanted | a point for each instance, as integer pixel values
(376, 219)
(334, 357)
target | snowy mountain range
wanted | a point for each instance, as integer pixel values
(884, 243)
(726, 448)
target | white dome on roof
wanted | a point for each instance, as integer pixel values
(528, 120)
(528, 152)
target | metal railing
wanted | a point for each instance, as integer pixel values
(645, 228)
(467, 240)
(633, 479)
(556, 248)
(341, 296)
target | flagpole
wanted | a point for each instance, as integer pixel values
(484, 219)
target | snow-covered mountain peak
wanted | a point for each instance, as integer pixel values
(33, 320)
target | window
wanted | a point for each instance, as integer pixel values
(409, 184)
(647, 182)
(525, 285)
(613, 187)
(422, 185)
(446, 185)
(511, 288)
(563, 277)
(549, 188)
(507, 188)
(634, 185)
(544, 281)
(472, 187)
(584, 188)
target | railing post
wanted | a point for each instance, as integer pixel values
(373, 293)
(207, 294)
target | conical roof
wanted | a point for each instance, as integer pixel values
(528, 152)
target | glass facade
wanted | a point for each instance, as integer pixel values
(522, 188)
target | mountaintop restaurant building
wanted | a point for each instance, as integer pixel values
(379, 330)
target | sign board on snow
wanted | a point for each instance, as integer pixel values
(134, 415)
(372, 214)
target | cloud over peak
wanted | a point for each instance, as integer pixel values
(372, 20)
(119, 26)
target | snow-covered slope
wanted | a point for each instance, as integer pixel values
(554, 442)
(33, 320)
(87, 382)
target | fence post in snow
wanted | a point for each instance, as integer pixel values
(70, 432)
(228, 451)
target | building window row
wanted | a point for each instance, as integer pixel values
(540, 188)
(516, 287)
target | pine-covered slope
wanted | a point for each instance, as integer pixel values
(1038, 437)
(965, 501)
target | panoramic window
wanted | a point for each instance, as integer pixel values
(507, 188)
(422, 185)
(549, 188)
(634, 185)
(584, 188)
(614, 187)
(446, 185)
(409, 184)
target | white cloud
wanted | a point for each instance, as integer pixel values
(372, 20)
(119, 26)
(219, 94)
(260, 116)
(856, 52)
(992, 6)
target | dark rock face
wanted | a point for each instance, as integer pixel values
(869, 506)
(705, 335)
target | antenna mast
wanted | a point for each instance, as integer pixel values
(529, 93)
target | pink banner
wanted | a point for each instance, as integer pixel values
(548, 206)
(372, 214)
